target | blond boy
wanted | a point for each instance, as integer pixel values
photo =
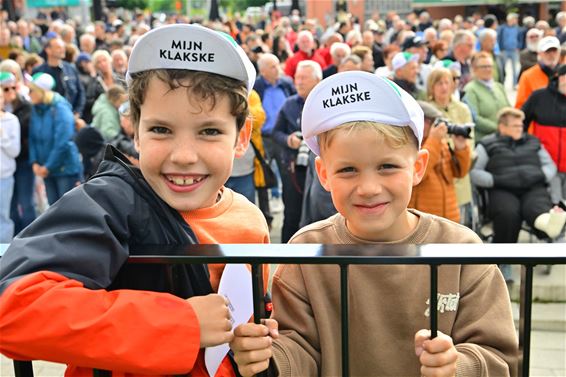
(367, 133)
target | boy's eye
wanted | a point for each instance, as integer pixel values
(211, 132)
(347, 169)
(159, 130)
(388, 166)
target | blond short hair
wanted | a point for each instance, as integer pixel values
(396, 137)
(435, 76)
(509, 112)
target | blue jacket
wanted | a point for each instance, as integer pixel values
(509, 37)
(288, 122)
(72, 88)
(51, 132)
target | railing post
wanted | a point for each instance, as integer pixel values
(23, 368)
(433, 300)
(344, 319)
(525, 317)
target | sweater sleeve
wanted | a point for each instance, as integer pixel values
(10, 137)
(479, 176)
(464, 158)
(296, 352)
(547, 164)
(485, 349)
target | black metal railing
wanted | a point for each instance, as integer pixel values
(527, 255)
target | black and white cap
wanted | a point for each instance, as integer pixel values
(194, 48)
(358, 96)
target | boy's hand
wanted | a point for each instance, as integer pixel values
(438, 356)
(252, 346)
(214, 319)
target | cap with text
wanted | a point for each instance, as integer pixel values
(194, 48)
(358, 96)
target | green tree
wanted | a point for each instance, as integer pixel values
(132, 4)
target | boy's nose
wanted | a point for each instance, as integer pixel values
(184, 153)
(369, 186)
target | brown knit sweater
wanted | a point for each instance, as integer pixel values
(387, 306)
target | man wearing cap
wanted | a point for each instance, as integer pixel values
(67, 81)
(406, 72)
(537, 77)
(418, 46)
(287, 134)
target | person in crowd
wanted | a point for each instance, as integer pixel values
(119, 63)
(440, 87)
(338, 51)
(124, 141)
(439, 50)
(89, 79)
(287, 134)
(388, 53)
(350, 63)
(53, 155)
(406, 72)
(103, 65)
(11, 66)
(242, 178)
(484, 95)
(106, 118)
(515, 169)
(528, 57)
(537, 77)
(67, 81)
(273, 89)
(22, 211)
(9, 149)
(87, 43)
(30, 43)
(436, 193)
(325, 50)
(369, 158)
(546, 111)
(307, 51)
(373, 38)
(365, 54)
(508, 39)
(417, 46)
(187, 138)
(462, 50)
(487, 39)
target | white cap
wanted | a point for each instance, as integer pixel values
(358, 96)
(402, 58)
(547, 43)
(43, 81)
(194, 48)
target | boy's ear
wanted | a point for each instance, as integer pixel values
(322, 172)
(421, 163)
(243, 141)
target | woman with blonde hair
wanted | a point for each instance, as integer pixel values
(440, 89)
(52, 151)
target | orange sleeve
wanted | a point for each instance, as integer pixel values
(47, 316)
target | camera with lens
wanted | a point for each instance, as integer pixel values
(464, 130)
(303, 152)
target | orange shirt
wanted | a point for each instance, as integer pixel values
(532, 79)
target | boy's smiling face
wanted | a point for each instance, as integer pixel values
(186, 149)
(371, 182)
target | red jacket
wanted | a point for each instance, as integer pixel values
(293, 61)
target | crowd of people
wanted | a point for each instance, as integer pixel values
(139, 133)
(65, 83)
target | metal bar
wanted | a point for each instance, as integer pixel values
(433, 300)
(23, 368)
(257, 288)
(525, 324)
(344, 319)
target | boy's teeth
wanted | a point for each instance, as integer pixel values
(184, 181)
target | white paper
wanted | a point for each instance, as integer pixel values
(236, 286)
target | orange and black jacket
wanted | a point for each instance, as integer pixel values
(68, 296)
(545, 112)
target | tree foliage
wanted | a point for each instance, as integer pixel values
(132, 4)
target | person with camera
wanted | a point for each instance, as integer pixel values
(294, 154)
(440, 88)
(436, 193)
